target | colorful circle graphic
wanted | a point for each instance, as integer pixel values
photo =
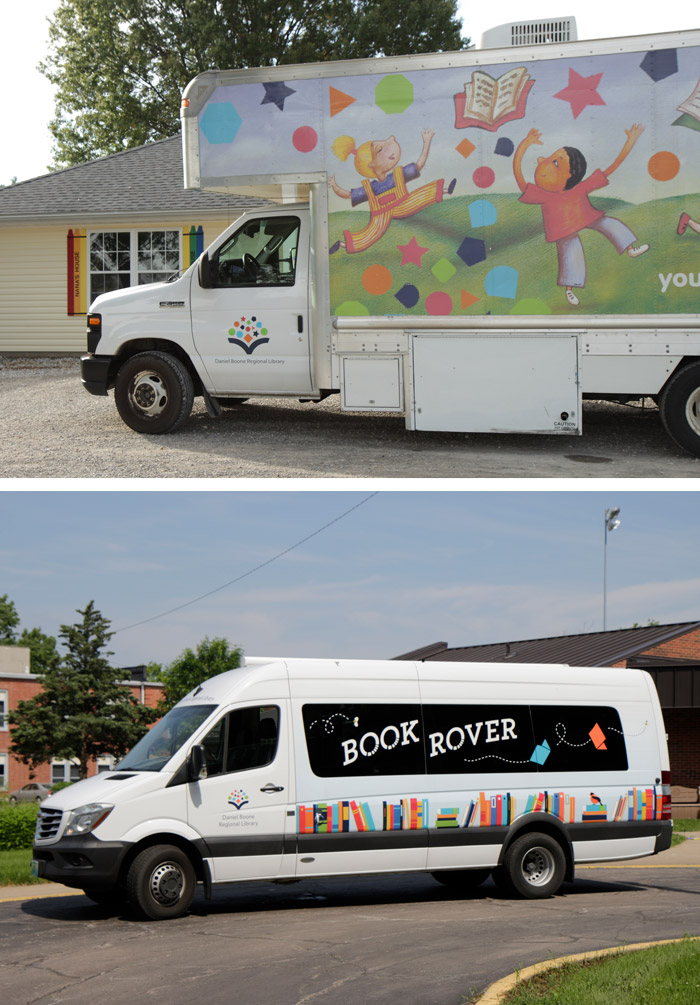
(305, 139)
(663, 166)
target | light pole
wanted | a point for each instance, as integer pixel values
(611, 524)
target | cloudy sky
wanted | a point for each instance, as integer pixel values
(26, 152)
(399, 570)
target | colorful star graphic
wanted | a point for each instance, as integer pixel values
(581, 91)
(276, 93)
(411, 252)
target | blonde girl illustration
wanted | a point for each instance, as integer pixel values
(384, 187)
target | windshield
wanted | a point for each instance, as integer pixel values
(168, 735)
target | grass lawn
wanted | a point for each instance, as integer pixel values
(14, 868)
(653, 976)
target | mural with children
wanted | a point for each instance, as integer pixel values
(559, 186)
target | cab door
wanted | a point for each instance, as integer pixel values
(240, 808)
(250, 322)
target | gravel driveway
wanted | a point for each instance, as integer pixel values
(52, 428)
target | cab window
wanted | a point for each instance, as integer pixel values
(245, 738)
(262, 253)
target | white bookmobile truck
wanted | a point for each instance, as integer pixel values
(483, 239)
(288, 769)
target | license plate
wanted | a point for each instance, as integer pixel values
(34, 868)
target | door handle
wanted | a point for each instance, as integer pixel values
(272, 788)
(300, 323)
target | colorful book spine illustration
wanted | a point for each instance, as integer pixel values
(447, 817)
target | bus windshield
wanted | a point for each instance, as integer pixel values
(154, 750)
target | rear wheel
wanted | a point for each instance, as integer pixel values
(534, 866)
(679, 406)
(161, 882)
(154, 392)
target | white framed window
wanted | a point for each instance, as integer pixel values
(3, 710)
(105, 763)
(120, 258)
(64, 771)
(3, 771)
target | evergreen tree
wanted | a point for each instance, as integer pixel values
(212, 657)
(120, 68)
(81, 711)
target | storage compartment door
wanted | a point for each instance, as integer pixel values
(371, 383)
(493, 383)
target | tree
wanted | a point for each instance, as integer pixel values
(42, 650)
(81, 711)
(9, 620)
(212, 657)
(120, 68)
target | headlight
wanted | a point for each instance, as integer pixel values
(85, 819)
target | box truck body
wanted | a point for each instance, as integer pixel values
(292, 769)
(485, 238)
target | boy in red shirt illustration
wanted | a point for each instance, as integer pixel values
(562, 190)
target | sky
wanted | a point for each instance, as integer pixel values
(390, 572)
(26, 152)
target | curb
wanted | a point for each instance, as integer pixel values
(496, 992)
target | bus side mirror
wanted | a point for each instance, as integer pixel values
(205, 272)
(196, 763)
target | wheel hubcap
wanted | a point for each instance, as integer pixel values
(167, 883)
(692, 411)
(537, 867)
(149, 395)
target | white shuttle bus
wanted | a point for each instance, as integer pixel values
(288, 769)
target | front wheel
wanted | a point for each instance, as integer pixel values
(679, 406)
(154, 392)
(161, 882)
(534, 866)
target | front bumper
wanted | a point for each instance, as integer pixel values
(81, 861)
(94, 373)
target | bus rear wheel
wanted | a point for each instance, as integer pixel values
(534, 867)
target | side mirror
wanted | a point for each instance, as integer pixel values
(205, 272)
(196, 763)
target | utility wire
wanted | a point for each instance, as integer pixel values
(250, 572)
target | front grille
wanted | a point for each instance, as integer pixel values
(47, 824)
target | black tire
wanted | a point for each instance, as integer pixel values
(154, 392)
(679, 407)
(534, 867)
(13, 800)
(161, 882)
(462, 880)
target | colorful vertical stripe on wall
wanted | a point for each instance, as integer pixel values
(192, 244)
(77, 272)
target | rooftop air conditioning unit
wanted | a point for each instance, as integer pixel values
(555, 29)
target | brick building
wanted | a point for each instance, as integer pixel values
(671, 654)
(17, 683)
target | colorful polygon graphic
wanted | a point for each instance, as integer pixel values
(238, 798)
(248, 333)
(220, 122)
(472, 251)
(598, 737)
(484, 177)
(443, 270)
(411, 253)
(277, 93)
(305, 139)
(581, 92)
(394, 94)
(660, 64)
(502, 282)
(339, 100)
(482, 213)
(504, 147)
(408, 296)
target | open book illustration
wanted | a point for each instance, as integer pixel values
(690, 109)
(488, 102)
